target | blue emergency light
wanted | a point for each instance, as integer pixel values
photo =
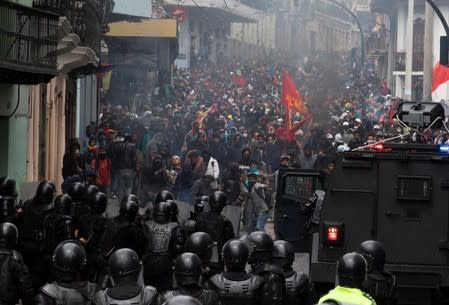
(444, 148)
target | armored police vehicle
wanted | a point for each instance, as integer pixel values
(397, 194)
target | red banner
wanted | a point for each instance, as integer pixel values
(291, 98)
(440, 75)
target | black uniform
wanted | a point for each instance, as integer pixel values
(15, 279)
(299, 290)
(8, 196)
(32, 238)
(237, 288)
(118, 233)
(75, 293)
(124, 268)
(216, 225)
(188, 270)
(189, 225)
(379, 284)
(164, 239)
(57, 228)
(69, 258)
(127, 294)
(274, 287)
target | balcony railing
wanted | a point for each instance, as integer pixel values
(27, 40)
(86, 17)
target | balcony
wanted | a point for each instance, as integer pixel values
(27, 44)
(86, 17)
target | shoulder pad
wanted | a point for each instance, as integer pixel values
(17, 256)
(100, 297)
(216, 280)
(149, 293)
(52, 290)
(173, 225)
(257, 281)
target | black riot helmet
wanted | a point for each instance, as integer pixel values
(174, 211)
(188, 269)
(351, 270)
(45, 193)
(9, 235)
(69, 257)
(130, 197)
(129, 210)
(163, 196)
(161, 212)
(77, 191)
(217, 201)
(63, 204)
(200, 204)
(374, 254)
(261, 247)
(235, 255)
(201, 244)
(100, 203)
(183, 300)
(8, 188)
(91, 190)
(283, 254)
(124, 263)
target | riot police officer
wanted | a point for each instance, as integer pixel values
(235, 286)
(69, 259)
(163, 196)
(31, 227)
(202, 245)
(124, 269)
(379, 284)
(91, 190)
(351, 273)
(260, 260)
(216, 225)
(58, 225)
(91, 231)
(298, 287)
(165, 238)
(174, 211)
(189, 225)
(8, 196)
(80, 207)
(188, 269)
(15, 279)
(122, 232)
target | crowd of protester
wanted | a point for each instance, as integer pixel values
(218, 128)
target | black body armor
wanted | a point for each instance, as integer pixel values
(245, 291)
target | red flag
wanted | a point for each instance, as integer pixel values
(440, 75)
(239, 79)
(290, 96)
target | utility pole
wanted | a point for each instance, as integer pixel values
(428, 53)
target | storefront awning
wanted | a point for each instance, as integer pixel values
(151, 28)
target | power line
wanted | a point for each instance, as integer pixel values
(196, 4)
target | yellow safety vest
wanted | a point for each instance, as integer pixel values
(348, 295)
